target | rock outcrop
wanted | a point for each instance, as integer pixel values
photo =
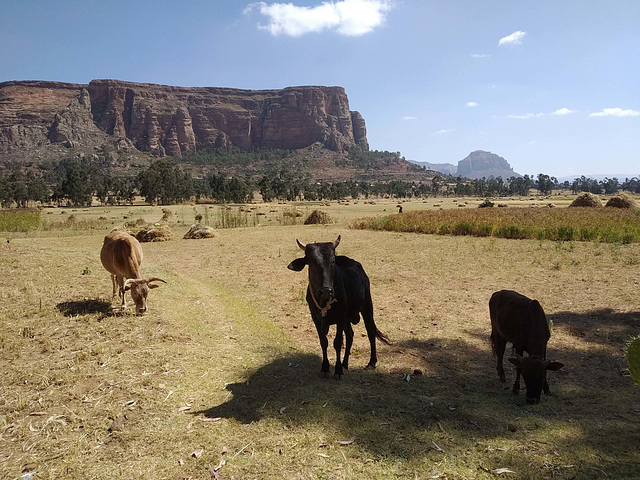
(481, 164)
(166, 120)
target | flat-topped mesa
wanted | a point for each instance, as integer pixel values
(167, 120)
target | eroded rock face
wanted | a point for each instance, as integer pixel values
(167, 120)
(480, 164)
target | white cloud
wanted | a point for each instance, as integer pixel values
(480, 55)
(526, 115)
(347, 17)
(444, 131)
(471, 104)
(616, 112)
(514, 39)
(409, 117)
(563, 111)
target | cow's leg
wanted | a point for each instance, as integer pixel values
(499, 345)
(337, 344)
(516, 384)
(348, 333)
(122, 292)
(324, 344)
(370, 325)
(114, 284)
(545, 387)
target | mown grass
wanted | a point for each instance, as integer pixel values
(609, 225)
(224, 365)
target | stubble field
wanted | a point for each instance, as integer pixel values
(220, 378)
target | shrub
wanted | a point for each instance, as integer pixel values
(633, 358)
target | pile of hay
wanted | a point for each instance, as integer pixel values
(318, 217)
(200, 231)
(586, 199)
(155, 233)
(621, 200)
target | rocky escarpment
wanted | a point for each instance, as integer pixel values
(481, 164)
(166, 120)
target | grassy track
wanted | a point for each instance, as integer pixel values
(230, 337)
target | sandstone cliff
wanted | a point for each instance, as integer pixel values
(166, 120)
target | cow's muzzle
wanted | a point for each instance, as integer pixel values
(325, 296)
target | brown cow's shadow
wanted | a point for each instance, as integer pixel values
(85, 307)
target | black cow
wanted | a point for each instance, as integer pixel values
(338, 292)
(521, 321)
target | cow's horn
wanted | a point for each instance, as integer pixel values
(301, 245)
(155, 279)
(337, 242)
(128, 282)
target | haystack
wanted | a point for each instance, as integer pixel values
(318, 217)
(621, 200)
(200, 231)
(586, 199)
(156, 233)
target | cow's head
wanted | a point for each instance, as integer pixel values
(534, 371)
(139, 290)
(321, 259)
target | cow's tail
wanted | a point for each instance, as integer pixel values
(382, 337)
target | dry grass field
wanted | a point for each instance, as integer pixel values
(220, 378)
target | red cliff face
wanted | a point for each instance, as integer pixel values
(167, 120)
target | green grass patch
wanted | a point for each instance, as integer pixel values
(566, 225)
(19, 220)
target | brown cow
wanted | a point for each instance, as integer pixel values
(121, 255)
(521, 321)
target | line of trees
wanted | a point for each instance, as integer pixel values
(77, 181)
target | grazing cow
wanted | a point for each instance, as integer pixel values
(121, 255)
(338, 292)
(521, 321)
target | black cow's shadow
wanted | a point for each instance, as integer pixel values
(89, 306)
(392, 414)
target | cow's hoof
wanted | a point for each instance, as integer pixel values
(324, 374)
(503, 379)
(337, 376)
(370, 367)
(515, 392)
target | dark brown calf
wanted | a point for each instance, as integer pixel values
(521, 321)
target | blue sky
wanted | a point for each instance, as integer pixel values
(552, 86)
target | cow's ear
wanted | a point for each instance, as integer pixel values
(297, 265)
(553, 366)
(516, 361)
(344, 262)
(153, 285)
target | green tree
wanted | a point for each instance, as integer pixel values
(75, 186)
